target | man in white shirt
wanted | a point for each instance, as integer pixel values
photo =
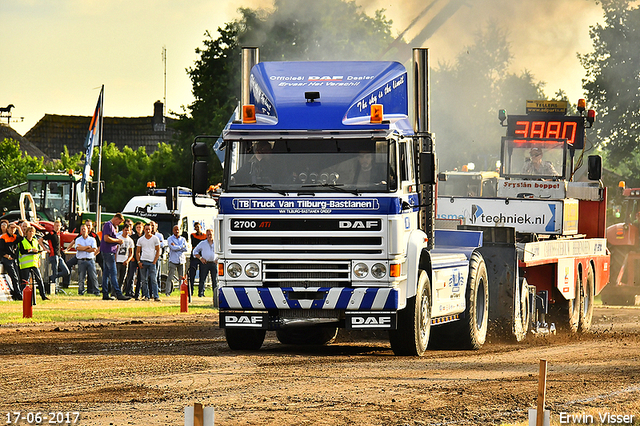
(87, 247)
(124, 256)
(177, 248)
(147, 253)
(205, 252)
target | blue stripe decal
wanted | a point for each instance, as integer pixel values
(367, 300)
(252, 204)
(343, 300)
(392, 301)
(268, 302)
(267, 299)
(222, 301)
(241, 294)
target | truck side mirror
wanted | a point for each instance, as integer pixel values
(427, 168)
(200, 168)
(594, 167)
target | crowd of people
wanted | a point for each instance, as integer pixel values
(128, 254)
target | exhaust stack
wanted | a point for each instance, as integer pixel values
(424, 146)
(250, 57)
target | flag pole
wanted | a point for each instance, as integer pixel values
(99, 187)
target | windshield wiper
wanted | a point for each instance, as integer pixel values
(257, 185)
(336, 186)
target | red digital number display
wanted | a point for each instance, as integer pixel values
(526, 127)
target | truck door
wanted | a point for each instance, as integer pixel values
(408, 186)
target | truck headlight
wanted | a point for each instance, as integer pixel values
(378, 270)
(252, 270)
(234, 270)
(361, 270)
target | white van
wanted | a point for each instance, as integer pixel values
(154, 207)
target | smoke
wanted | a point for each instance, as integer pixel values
(545, 35)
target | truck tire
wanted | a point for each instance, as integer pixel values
(411, 337)
(244, 340)
(566, 313)
(473, 327)
(470, 331)
(522, 308)
(316, 336)
(586, 301)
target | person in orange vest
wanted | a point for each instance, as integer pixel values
(30, 260)
(9, 245)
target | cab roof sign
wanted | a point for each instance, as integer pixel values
(547, 107)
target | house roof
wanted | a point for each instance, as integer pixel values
(53, 132)
(6, 132)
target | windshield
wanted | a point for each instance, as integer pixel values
(353, 165)
(534, 158)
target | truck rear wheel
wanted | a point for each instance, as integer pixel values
(586, 301)
(411, 336)
(520, 323)
(243, 339)
(315, 335)
(566, 313)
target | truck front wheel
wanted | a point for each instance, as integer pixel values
(411, 336)
(244, 340)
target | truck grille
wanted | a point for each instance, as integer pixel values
(303, 274)
(306, 244)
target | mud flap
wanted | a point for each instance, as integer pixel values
(370, 320)
(252, 320)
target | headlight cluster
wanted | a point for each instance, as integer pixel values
(378, 270)
(251, 270)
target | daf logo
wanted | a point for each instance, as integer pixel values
(243, 319)
(358, 224)
(371, 321)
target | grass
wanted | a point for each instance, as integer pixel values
(71, 307)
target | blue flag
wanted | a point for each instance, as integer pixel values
(93, 139)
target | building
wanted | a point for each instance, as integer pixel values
(6, 132)
(53, 132)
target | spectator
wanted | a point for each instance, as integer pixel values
(205, 252)
(133, 272)
(4, 223)
(73, 261)
(108, 248)
(9, 253)
(148, 253)
(124, 256)
(87, 247)
(194, 264)
(163, 246)
(56, 260)
(30, 259)
(177, 249)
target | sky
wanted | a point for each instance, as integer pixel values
(55, 55)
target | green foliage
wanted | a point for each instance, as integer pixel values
(466, 98)
(613, 85)
(14, 167)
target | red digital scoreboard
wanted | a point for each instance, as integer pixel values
(547, 127)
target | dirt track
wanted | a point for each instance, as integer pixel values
(146, 372)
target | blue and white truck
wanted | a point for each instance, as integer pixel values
(326, 215)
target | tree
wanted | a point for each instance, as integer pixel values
(322, 30)
(613, 85)
(14, 167)
(467, 95)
